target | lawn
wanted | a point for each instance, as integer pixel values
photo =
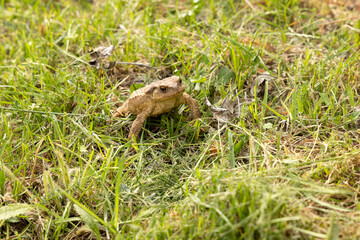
(275, 154)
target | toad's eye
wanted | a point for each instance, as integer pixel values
(180, 81)
(163, 89)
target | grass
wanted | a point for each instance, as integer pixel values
(287, 167)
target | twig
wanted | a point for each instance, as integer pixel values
(55, 113)
(136, 64)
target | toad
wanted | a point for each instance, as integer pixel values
(154, 99)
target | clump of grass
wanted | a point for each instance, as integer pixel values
(226, 204)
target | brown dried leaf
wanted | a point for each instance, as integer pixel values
(102, 52)
(228, 110)
(98, 54)
(214, 148)
(259, 83)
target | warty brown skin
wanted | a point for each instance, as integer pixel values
(154, 99)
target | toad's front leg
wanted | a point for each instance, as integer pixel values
(139, 123)
(121, 111)
(193, 105)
